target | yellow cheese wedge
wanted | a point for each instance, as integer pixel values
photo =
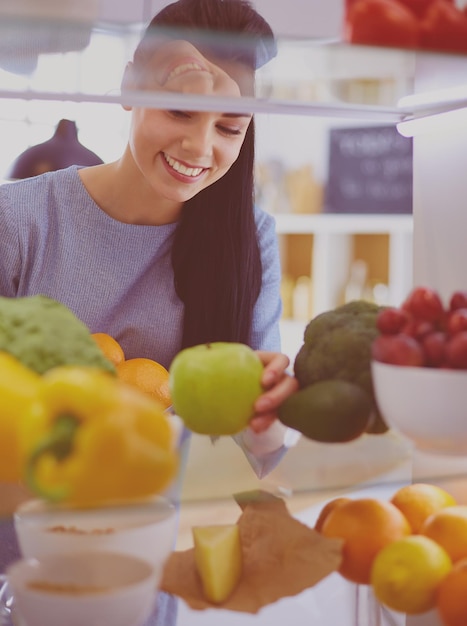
(218, 558)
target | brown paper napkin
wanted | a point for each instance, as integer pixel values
(281, 557)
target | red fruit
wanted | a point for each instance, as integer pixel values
(419, 7)
(443, 322)
(397, 350)
(456, 321)
(459, 298)
(444, 27)
(382, 23)
(424, 303)
(391, 320)
(456, 351)
(434, 349)
(418, 328)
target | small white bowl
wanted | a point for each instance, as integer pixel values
(426, 405)
(145, 529)
(105, 589)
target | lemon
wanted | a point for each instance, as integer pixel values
(406, 573)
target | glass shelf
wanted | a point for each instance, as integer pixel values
(83, 61)
(313, 468)
(244, 104)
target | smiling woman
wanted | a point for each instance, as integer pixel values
(196, 168)
(163, 248)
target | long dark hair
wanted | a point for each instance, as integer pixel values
(215, 255)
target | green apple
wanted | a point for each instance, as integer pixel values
(214, 386)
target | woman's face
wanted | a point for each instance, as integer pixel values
(180, 153)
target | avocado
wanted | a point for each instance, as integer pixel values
(329, 411)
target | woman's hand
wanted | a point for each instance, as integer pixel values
(278, 385)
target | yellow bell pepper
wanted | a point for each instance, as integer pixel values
(106, 441)
(19, 386)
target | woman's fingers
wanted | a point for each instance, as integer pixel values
(278, 386)
(273, 397)
(275, 364)
(260, 423)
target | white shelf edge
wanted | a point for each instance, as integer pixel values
(294, 224)
(435, 99)
(242, 104)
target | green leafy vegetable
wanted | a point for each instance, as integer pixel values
(43, 333)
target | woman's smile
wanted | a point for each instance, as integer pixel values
(182, 171)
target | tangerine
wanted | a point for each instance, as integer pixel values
(451, 597)
(147, 375)
(366, 525)
(327, 508)
(420, 500)
(448, 527)
(110, 347)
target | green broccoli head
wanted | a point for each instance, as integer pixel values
(358, 312)
(337, 346)
(43, 333)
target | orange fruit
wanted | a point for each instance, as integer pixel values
(327, 508)
(448, 527)
(366, 525)
(148, 376)
(420, 500)
(451, 597)
(110, 347)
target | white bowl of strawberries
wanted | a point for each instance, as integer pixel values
(419, 370)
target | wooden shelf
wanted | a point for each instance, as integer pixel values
(332, 251)
(333, 223)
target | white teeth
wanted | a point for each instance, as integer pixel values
(182, 169)
(185, 67)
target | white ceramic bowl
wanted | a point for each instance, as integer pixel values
(146, 530)
(92, 589)
(427, 405)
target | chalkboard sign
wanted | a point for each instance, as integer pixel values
(370, 171)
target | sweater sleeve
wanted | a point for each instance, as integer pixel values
(268, 308)
(10, 253)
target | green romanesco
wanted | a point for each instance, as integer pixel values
(337, 346)
(43, 333)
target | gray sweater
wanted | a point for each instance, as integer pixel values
(116, 277)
